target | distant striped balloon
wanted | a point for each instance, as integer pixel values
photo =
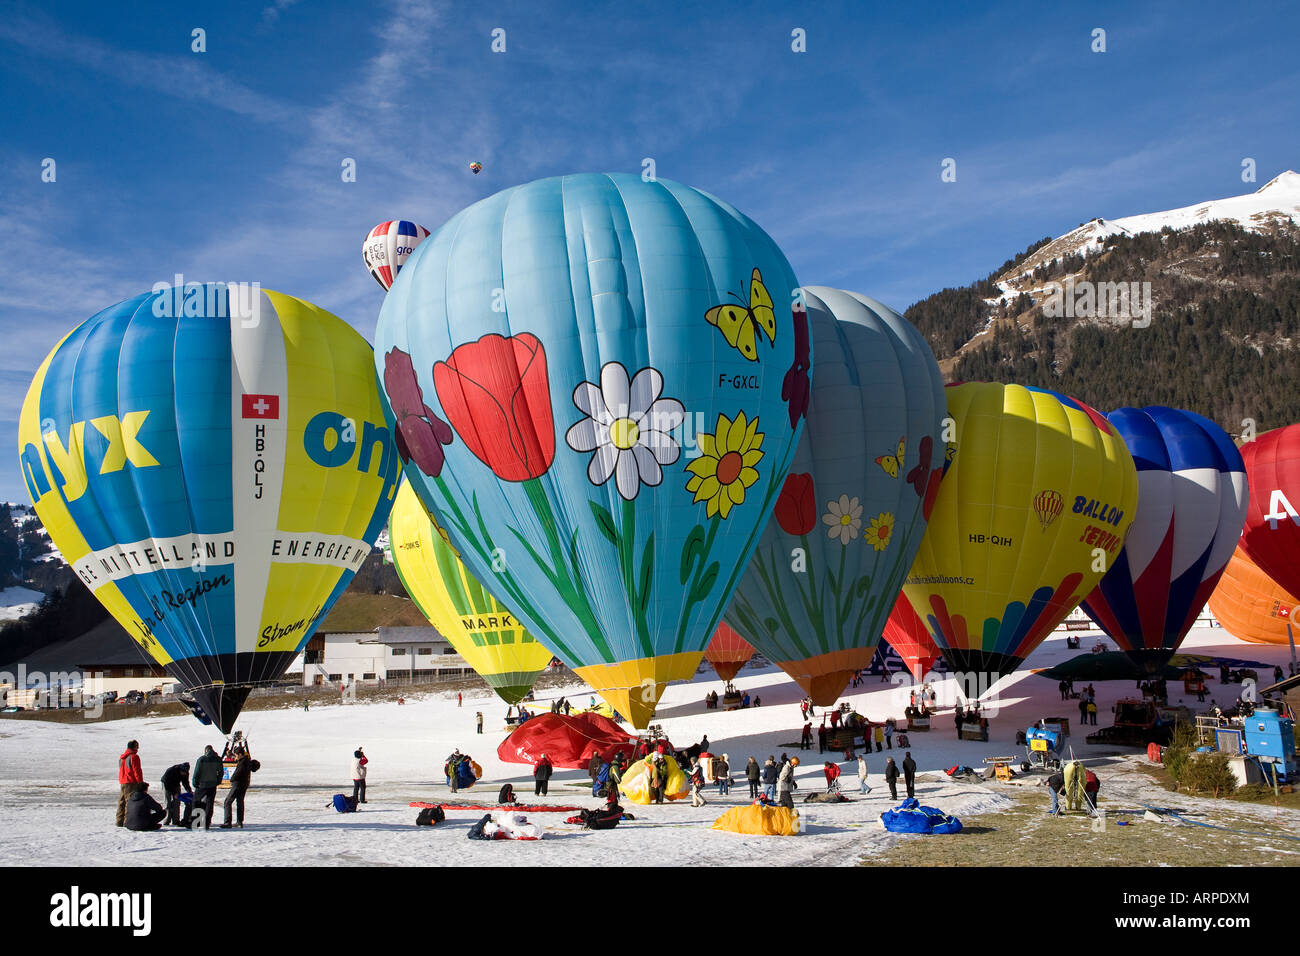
(387, 247)
(1192, 496)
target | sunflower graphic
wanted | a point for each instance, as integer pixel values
(727, 464)
(880, 530)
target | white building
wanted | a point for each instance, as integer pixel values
(391, 653)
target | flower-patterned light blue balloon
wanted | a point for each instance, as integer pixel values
(597, 386)
(848, 523)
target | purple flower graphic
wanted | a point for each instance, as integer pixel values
(420, 433)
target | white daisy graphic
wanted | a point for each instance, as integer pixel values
(627, 426)
(843, 519)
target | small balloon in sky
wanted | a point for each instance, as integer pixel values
(476, 168)
(387, 247)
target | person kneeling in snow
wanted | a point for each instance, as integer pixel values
(143, 812)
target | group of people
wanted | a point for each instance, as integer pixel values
(459, 771)
(711, 699)
(138, 810)
(1158, 690)
(971, 715)
(1088, 706)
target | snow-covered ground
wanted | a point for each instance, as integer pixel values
(17, 602)
(58, 781)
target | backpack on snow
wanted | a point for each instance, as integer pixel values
(344, 804)
(506, 794)
(430, 816)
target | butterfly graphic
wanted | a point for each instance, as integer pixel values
(892, 463)
(740, 325)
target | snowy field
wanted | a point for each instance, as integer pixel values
(58, 788)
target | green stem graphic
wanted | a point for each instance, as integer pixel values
(483, 549)
(695, 591)
(564, 574)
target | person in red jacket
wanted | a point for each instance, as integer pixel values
(130, 778)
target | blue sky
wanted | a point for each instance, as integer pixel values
(225, 165)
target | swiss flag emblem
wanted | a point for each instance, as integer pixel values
(261, 406)
(1284, 612)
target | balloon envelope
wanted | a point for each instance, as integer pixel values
(585, 374)
(1250, 605)
(852, 512)
(728, 652)
(215, 467)
(481, 630)
(1040, 493)
(387, 247)
(1271, 537)
(1191, 504)
(907, 634)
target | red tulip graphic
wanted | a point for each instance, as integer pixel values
(496, 396)
(796, 507)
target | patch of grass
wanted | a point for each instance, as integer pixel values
(1024, 835)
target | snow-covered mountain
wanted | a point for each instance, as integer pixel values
(1275, 202)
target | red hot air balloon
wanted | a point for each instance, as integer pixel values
(907, 634)
(728, 652)
(1271, 537)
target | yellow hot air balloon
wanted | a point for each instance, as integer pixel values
(485, 633)
(1034, 509)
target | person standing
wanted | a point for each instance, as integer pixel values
(478, 720)
(722, 771)
(460, 699)
(1083, 709)
(821, 739)
(696, 774)
(130, 776)
(909, 774)
(889, 733)
(785, 784)
(878, 731)
(1056, 785)
(173, 779)
(1092, 712)
(359, 761)
(769, 779)
(240, 778)
(753, 773)
(542, 771)
(656, 777)
(208, 772)
(957, 719)
(891, 777)
(862, 775)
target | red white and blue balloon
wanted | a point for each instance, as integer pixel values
(388, 246)
(1192, 498)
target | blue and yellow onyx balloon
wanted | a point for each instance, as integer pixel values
(214, 464)
(597, 388)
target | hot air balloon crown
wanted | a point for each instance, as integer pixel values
(596, 384)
